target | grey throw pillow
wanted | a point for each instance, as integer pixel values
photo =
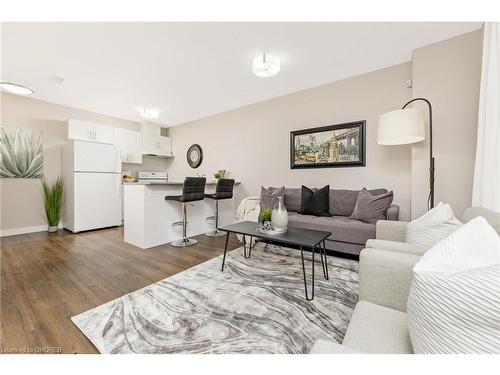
(269, 197)
(371, 208)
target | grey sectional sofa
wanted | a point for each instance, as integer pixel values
(348, 235)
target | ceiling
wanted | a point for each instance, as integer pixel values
(193, 70)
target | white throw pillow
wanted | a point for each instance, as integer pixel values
(454, 300)
(433, 226)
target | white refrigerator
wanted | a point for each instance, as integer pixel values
(92, 177)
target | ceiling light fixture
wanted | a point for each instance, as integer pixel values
(266, 65)
(149, 113)
(15, 88)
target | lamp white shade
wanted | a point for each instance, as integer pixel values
(401, 127)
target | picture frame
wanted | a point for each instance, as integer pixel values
(332, 146)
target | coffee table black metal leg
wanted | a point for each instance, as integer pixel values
(245, 248)
(225, 251)
(327, 275)
(324, 263)
(304, 273)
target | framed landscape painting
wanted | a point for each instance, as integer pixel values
(332, 146)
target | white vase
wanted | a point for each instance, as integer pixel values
(279, 217)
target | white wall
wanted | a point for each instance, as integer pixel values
(448, 74)
(253, 141)
(21, 199)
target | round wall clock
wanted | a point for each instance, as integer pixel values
(194, 156)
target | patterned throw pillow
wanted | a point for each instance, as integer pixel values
(454, 300)
(433, 226)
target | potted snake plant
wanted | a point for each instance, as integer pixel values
(53, 201)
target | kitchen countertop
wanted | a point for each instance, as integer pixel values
(212, 182)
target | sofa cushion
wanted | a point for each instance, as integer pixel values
(269, 197)
(315, 203)
(353, 231)
(462, 274)
(372, 208)
(296, 220)
(342, 202)
(433, 226)
(293, 199)
(342, 228)
(378, 329)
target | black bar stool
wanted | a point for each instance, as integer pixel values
(223, 190)
(192, 190)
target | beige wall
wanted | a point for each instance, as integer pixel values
(253, 141)
(21, 199)
(448, 74)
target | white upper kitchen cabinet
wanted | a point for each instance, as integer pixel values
(90, 132)
(153, 143)
(130, 144)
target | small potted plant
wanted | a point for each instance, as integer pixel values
(53, 201)
(217, 175)
(265, 219)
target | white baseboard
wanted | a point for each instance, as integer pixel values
(25, 230)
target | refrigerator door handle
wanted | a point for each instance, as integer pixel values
(118, 185)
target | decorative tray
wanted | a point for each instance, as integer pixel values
(271, 232)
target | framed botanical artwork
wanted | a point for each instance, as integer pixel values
(331, 146)
(21, 153)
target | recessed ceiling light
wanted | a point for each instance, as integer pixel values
(150, 113)
(15, 88)
(266, 65)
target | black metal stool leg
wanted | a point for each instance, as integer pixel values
(225, 251)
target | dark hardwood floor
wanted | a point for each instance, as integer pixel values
(48, 278)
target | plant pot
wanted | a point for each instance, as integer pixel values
(53, 228)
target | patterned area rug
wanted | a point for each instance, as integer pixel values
(256, 305)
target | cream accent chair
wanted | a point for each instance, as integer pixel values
(378, 323)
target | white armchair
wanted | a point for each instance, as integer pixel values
(379, 322)
(391, 235)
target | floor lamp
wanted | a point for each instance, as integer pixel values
(405, 126)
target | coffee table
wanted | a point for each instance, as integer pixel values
(303, 238)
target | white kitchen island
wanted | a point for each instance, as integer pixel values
(149, 218)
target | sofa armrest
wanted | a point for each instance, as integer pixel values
(400, 247)
(393, 212)
(385, 277)
(391, 230)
